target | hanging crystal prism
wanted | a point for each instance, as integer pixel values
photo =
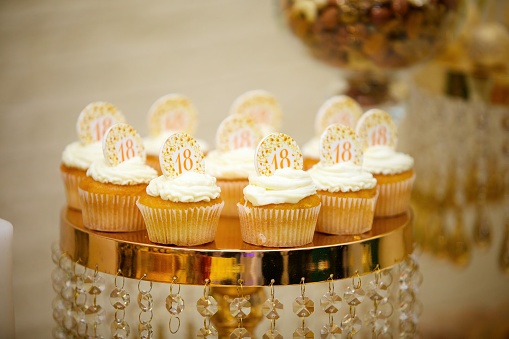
(240, 307)
(240, 333)
(410, 307)
(272, 334)
(207, 307)
(353, 296)
(175, 304)
(120, 329)
(303, 307)
(351, 323)
(208, 332)
(145, 303)
(330, 331)
(120, 299)
(330, 302)
(271, 308)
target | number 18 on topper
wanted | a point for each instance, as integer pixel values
(276, 151)
(376, 128)
(121, 143)
(179, 154)
(95, 119)
(339, 144)
(237, 131)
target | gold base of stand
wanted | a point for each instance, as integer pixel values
(224, 322)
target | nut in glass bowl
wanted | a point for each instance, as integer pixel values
(373, 36)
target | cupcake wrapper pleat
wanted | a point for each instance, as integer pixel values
(394, 198)
(110, 213)
(277, 228)
(71, 184)
(339, 215)
(186, 227)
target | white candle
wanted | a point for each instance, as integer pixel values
(7, 306)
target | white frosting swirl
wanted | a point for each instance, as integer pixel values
(311, 149)
(385, 160)
(236, 164)
(131, 172)
(341, 177)
(78, 155)
(187, 187)
(286, 185)
(153, 144)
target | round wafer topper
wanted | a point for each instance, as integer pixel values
(376, 128)
(172, 112)
(95, 119)
(179, 154)
(338, 144)
(261, 106)
(340, 109)
(120, 143)
(275, 151)
(237, 131)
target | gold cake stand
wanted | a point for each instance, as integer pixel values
(228, 259)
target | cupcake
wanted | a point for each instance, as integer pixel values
(340, 109)
(347, 192)
(280, 205)
(113, 184)
(392, 170)
(262, 107)
(181, 207)
(231, 162)
(169, 114)
(77, 157)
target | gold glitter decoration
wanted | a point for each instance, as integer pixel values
(172, 112)
(181, 153)
(121, 142)
(340, 109)
(275, 151)
(339, 143)
(261, 106)
(375, 127)
(95, 119)
(237, 131)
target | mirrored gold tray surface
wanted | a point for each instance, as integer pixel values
(228, 258)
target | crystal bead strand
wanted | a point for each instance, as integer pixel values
(120, 299)
(331, 303)
(94, 285)
(378, 317)
(174, 305)
(354, 295)
(303, 307)
(410, 278)
(61, 306)
(146, 304)
(240, 308)
(270, 310)
(207, 307)
(80, 299)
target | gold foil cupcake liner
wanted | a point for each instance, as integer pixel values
(394, 198)
(71, 184)
(110, 213)
(231, 193)
(340, 215)
(185, 227)
(277, 227)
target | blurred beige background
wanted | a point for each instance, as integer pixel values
(57, 56)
